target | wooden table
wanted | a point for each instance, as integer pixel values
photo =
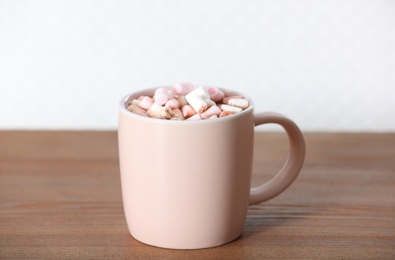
(60, 198)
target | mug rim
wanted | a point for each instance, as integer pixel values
(123, 108)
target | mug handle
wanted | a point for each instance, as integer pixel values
(293, 164)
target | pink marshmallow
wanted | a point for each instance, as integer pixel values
(216, 94)
(225, 113)
(188, 111)
(161, 96)
(170, 94)
(146, 102)
(214, 110)
(195, 117)
(172, 104)
(141, 97)
(183, 88)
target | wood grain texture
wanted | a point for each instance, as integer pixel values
(60, 198)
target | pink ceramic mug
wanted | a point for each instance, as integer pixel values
(186, 184)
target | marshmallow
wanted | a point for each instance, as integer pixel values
(170, 94)
(172, 104)
(200, 91)
(141, 97)
(230, 108)
(195, 117)
(226, 99)
(214, 110)
(161, 96)
(239, 102)
(177, 115)
(216, 94)
(182, 101)
(146, 102)
(135, 102)
(225, 113)
(158, 111)
(210, 103)
(196, 99)
(137, 110)
(196, 102)
(187, 111)
(181, 89)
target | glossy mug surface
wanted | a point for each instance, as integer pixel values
(186, 184)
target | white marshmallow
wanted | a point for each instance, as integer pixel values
(239, 102)
(158, 111)
(137, 110)
(135, 102)
(177, 115)
(197, 103)
(200, 91)
(232, 109)
(226, 99)
(210, 103)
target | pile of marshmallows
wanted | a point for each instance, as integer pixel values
(184, 101)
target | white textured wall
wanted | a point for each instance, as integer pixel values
(329, 65)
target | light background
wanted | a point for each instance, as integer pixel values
(329, 65)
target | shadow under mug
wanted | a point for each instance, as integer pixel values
(186, 184)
